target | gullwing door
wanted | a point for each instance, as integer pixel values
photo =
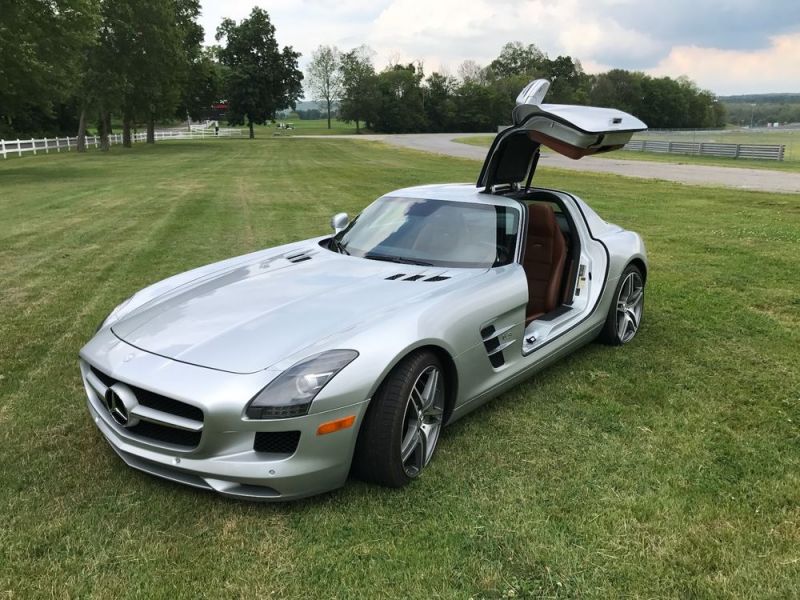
(574, 131)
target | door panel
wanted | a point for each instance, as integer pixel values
(574, 131)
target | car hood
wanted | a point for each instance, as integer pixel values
(250, 317)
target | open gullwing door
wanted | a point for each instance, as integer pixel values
(574, 131)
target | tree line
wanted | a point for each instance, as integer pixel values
(760, 109)
(71, 65)
(401, 99)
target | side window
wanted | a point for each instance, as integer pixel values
(506, 236)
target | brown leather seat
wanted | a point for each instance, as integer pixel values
(545, 253)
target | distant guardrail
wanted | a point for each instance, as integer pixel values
(753, 151)
(57, 144)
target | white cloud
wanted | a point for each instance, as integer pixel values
(603, 34)
(446, 32)
(773, 69)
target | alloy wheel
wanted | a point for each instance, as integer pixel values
(630, 302)
(422, 421)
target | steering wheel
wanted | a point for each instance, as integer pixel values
(500, 252)
(502, 255)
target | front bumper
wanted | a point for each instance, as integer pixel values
(225, 461)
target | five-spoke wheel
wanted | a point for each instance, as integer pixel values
(422, 421)
(401, 428)
(625, 314)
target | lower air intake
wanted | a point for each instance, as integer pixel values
(277, 442)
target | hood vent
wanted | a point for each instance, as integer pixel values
(299, 257)
(417, 277)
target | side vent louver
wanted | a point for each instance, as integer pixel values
(492, 342)
(437, 278)
(398, 276)
(413, 277)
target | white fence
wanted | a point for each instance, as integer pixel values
(757, 151)
(205, 125)
(57, 144)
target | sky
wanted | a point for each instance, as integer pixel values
(726, 46)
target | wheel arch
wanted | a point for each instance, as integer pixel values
(641, 265)
(450, 372)
(451, 378)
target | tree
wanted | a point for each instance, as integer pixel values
(42, 50)
(518, 59)
(203, 85)
(399, 106)
(620, 89)
(660, 102)
(476, 107)
(568, 83)
(104, 81)
(325, 76)
(261, 79)
(139, 63)
(359, 86)
(440, 110)
(470, 71)
(166, 41)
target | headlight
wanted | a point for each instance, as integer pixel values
(290, 394)
(112, 316)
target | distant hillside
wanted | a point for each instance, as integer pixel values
(760, 109)
(762, 99)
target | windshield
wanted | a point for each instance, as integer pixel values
(438, 233)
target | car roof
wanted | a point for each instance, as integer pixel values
(457, 192)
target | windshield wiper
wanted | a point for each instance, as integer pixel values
(398, 259)
(339, 247)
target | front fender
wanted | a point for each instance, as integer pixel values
(450, 322)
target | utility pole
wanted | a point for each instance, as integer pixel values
(752, 114)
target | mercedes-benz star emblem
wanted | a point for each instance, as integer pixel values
(119, 403)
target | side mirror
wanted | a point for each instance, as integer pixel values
(339, 221)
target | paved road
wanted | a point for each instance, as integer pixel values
(735, 177)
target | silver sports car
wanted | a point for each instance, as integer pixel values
(276, 374)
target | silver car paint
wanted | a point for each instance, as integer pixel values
(215, 336)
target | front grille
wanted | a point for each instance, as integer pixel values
(277, 442)
(157, 401)
(167, 405)
(169, 435)
(107, 381)
(157, 431)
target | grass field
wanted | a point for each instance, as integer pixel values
(790, 139)
(668, 468)
(310, 127)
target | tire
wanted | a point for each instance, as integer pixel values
(401, 428)
(627, 309)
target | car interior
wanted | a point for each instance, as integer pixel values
(550, 256)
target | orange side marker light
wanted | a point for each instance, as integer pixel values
(336, 425)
